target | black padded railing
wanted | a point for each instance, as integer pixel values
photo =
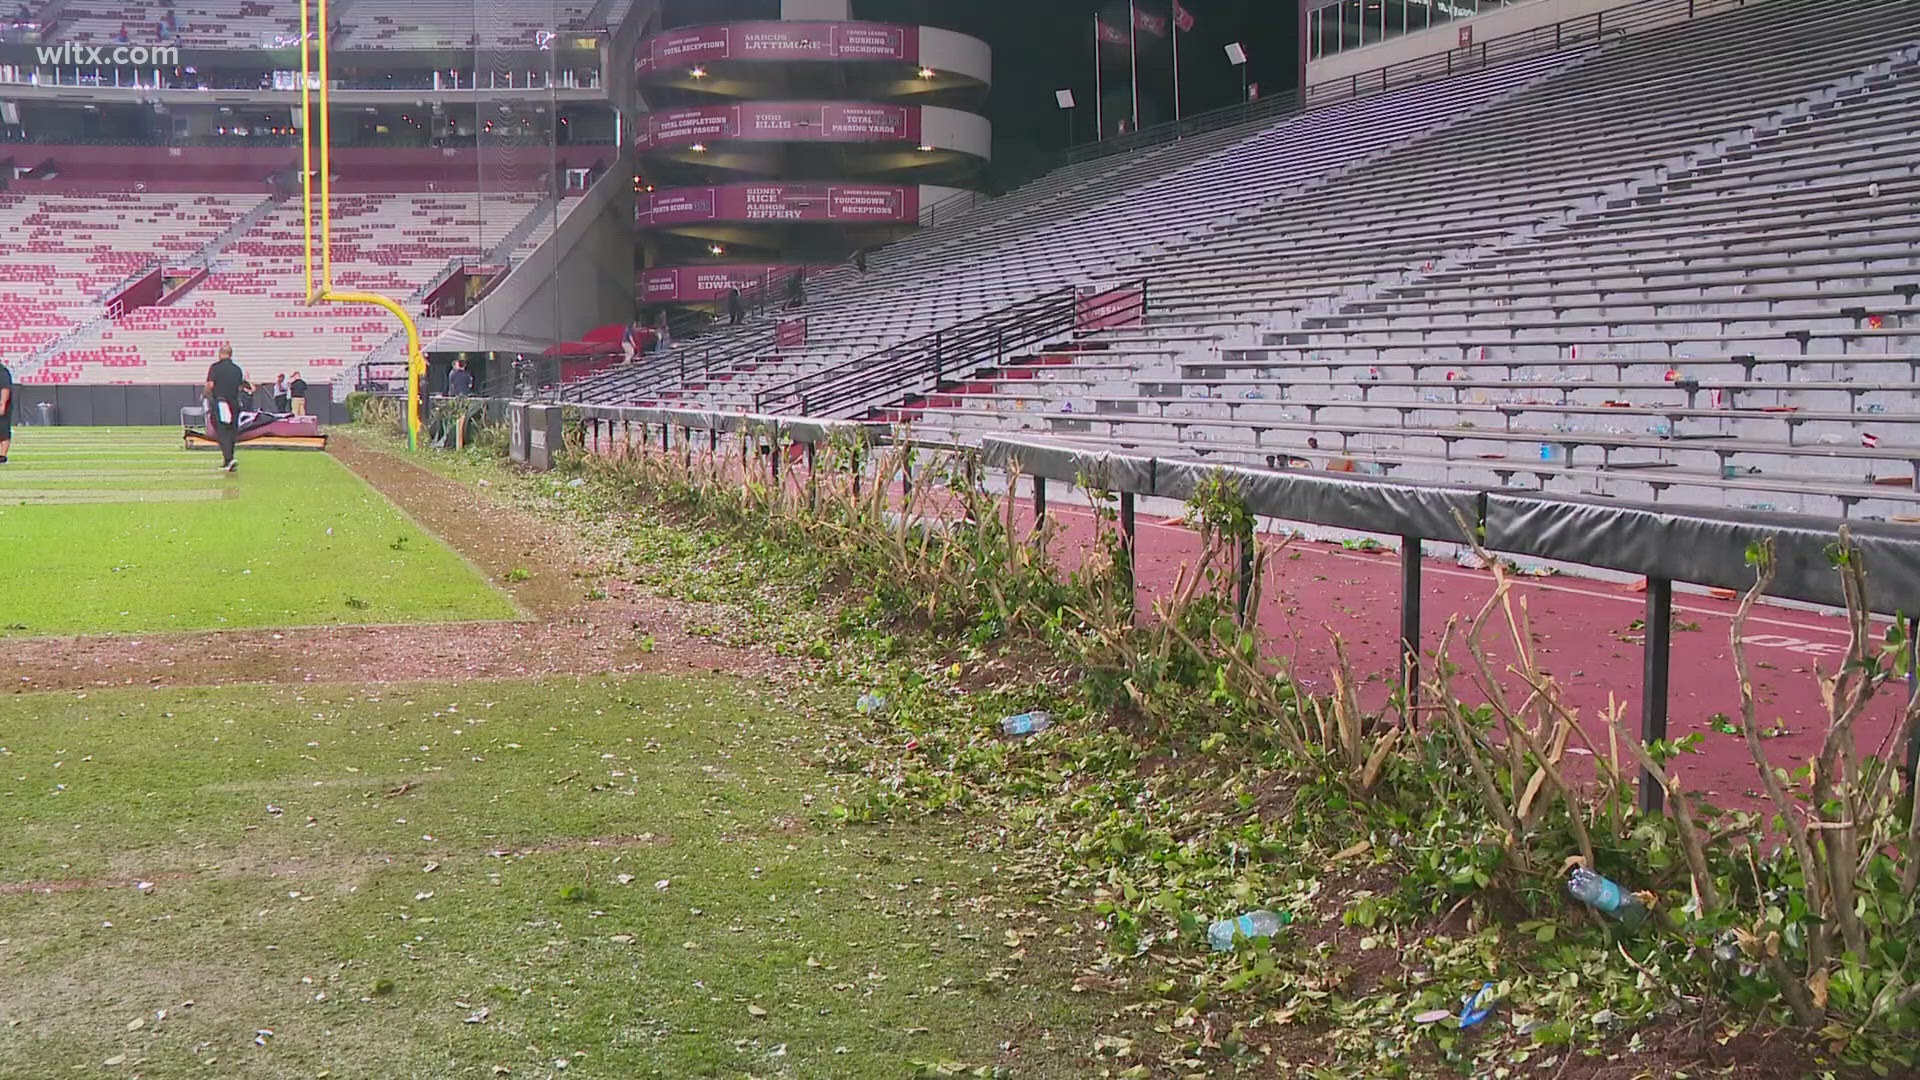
(895, 374)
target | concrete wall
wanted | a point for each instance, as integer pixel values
(580, 278)
(945, 50)
(838, 10)
(1439, 39)
(138, 406)
(951, 129)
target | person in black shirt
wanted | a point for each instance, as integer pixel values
(6, 412)
(225, 384)
(297, 389)
(459, 380)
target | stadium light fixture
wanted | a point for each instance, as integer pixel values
(926, 73)
(716, 249)
(926, 148)
(1237, 56)
(1064, 99)
(698, 73)
(698, 148)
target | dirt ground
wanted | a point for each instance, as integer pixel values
(563, 632)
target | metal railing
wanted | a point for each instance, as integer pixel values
(900, 372)
(1577, 32)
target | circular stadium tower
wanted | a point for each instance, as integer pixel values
(772, 146)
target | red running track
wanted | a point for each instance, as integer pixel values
(1582, 633)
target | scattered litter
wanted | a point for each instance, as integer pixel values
(479, 1016)
(576, 482)
(1479, 1006)
(1254, 924)
(1606, 897)
(1432, 1016)
(1027, 723)
(871, 703)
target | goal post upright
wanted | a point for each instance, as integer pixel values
(314, 34)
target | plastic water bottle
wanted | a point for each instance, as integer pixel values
(1606, 897)
(1254, 924)
(1027, 723)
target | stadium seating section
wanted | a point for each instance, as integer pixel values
(62, 255)
(1664, 267)
(363, 24)
(395, 244)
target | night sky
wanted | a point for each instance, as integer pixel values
(1040, 46)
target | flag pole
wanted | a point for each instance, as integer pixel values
(1175, 18)
(1099, 96)
(1133, 55)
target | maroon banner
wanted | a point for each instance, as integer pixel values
(697, 284)
(780, 202)
(780, 121)
(1111, 310)
(790, 334)
(692, 46)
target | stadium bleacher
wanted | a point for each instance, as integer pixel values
(198, 24)
(1655, 269)
(60, 254)
(430, 25)
(390, 243)
(456, 24)
(1080, 223)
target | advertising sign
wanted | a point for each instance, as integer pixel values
(771, 202)
(699, 284)
(692, 46)
(779, 121)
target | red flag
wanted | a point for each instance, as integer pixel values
(1109, 35)
(1182, 18)
(1149, 23)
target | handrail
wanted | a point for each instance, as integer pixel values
(1582, 30)
(899, 372)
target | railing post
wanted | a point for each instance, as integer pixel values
(1126, 544)
(939, 357)
(813, 478)
(1243, 606)
(773, 456)
(1411, 554)
(1039, 502)
(1913, 691)
(1657, 663)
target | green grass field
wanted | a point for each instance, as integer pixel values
(122, 531)
(631, 876)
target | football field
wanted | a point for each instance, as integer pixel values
(122, 531)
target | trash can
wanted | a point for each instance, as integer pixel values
(49, 416)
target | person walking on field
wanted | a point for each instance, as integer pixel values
(225, 384)
(297, 389)
(6, 412)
